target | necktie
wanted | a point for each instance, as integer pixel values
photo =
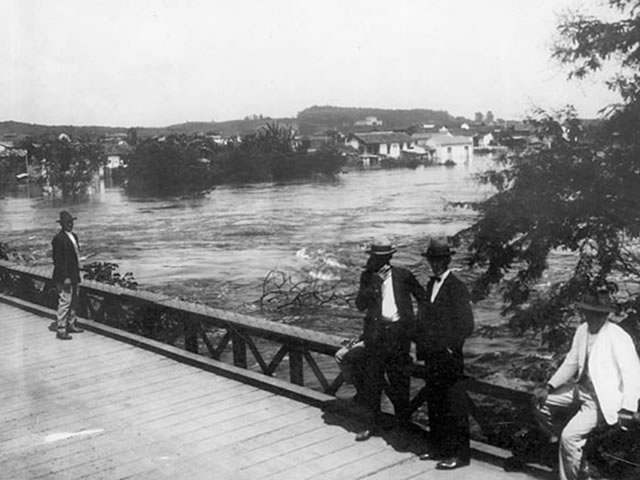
(436, 278)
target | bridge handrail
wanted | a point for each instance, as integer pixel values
(298, 343)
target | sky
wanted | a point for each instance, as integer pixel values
(160, 62)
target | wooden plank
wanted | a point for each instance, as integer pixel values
(150, 427)
(257, 379)
(170, 420)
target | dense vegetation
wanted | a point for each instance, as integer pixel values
(182, 164)
(574, 189)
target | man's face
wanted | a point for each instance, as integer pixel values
(438, 264)
(67, 225)
(375, 262)
(595, 320)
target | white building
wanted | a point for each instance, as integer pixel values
(388, 144)
(451, 148)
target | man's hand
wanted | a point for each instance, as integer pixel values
(627, 418)
(384, 272)
(540, 395)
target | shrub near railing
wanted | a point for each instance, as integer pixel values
(229, 336)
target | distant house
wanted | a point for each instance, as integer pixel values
(115, 153)
(7, 150)
(368, 122)
(447, 147)
(388, 144)
(216, 138)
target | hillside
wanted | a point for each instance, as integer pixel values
(22, 129)
(322, 118)
(311, 120)
(229, 128)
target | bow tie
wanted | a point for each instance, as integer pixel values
(436, 278)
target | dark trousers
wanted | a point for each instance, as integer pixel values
(387, 368)
(447, 403)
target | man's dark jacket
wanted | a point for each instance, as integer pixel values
(369, 299)
(65, 259)
(448, 321)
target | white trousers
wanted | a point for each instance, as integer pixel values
(573, 436)
(67, 299)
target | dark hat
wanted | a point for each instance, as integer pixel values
(65, 217)
(596, 301)
(438, 247)
(381, 246)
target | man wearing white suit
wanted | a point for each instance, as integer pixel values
(600, 376)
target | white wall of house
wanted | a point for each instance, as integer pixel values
(114, 161)
(458, 153)
(353, 143)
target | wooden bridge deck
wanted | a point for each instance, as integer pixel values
(97, 408)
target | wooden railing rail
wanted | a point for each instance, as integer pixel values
(221, 334)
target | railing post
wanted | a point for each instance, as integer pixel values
(190, 335)
(83, 302)
(296, 367)
(239, 349)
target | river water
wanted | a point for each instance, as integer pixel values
(219, 248)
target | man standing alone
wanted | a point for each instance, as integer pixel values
(66, 274)
(445, 321)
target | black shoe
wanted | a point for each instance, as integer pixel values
(451, 463)
(365, 435)
(53, 327)
(430, 456)
(63, 336)
(75, 329)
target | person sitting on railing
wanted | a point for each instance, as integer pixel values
(385, 294)
(352, 362)
(600, 376)
(66, 274)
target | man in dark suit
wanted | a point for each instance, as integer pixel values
(385, 294)
(66, 274)
(444, 322)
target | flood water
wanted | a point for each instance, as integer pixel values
(219, 248)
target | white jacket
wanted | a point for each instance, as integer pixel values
(614, 368)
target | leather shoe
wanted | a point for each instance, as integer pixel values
(451, 463)
(75, 329)
(53, 327)
(63, 336)
(429, 456)
(364, 435)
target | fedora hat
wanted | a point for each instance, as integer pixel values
(381, 246)
(65, 217)
(438, 247)
(597, 301)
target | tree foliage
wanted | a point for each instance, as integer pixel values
(68, 166)
(184, 164)
(172, 165)
(573, 188)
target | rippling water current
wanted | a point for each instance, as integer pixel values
(218, 249)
